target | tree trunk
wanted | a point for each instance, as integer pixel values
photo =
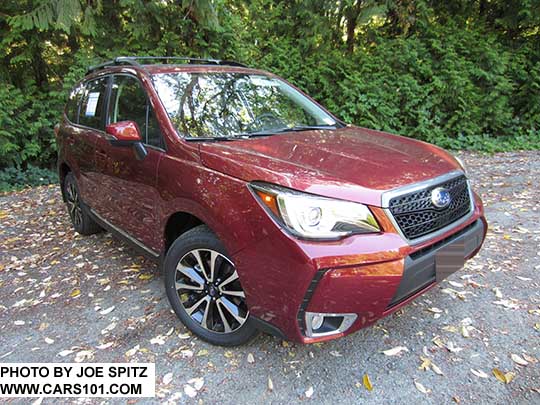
(38, 63)
(352, 18)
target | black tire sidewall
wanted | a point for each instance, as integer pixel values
(199, 238)
(87, 226)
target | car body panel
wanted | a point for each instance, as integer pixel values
(350, 163)
(128, 195)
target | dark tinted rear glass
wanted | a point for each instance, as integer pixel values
(72, 105)
(91, 109)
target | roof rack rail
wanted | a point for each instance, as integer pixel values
(133, 61)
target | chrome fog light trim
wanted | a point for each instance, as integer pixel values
(320, 324)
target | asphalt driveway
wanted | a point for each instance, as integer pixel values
(70, 298)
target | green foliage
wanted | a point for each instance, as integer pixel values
(12, 178)
(461, 74)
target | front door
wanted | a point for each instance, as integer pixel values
(129, 198)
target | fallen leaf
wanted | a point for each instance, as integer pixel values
(309, 392)
(83, 355)
(65, 353)
(107, 311)
(438, 342)
(132, 351)
(455, 284)
(167, 378)
(75, 293)
(509, 376)
(452, 348)
(503, 377)
(510, 303)
(421, 388)
(425, 364)
(250, 358)
(190, 391)
(197, 383)
(49, 341)
(436, 369)
(104, 346)
(158, 340)
(394, 351)
(367, 382)
(530, 359)
(270, 384)
(147, 276)
(518, 360)
(479, 373)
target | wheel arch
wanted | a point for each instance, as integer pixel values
(63, 170)
(177, 224)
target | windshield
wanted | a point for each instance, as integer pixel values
(218, 105)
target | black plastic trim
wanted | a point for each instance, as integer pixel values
(267, 327)
(419, 271)
(307, 297)
(120, 234)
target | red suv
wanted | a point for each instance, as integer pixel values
(265, 211)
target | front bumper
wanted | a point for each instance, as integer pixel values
(367, 275)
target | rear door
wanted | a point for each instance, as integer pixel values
(129, 196)
(84, 124)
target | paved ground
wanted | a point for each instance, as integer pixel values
(55, 285)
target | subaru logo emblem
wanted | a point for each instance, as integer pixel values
(440, 197)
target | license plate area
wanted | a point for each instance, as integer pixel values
(449, 259)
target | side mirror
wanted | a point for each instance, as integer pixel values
(124, 131)
(127, 133)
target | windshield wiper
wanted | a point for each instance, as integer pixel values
(296, 128)
(211, 138)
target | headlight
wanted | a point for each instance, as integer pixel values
(313, 217)
(461, 164)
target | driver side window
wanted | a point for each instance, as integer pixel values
(128, 102)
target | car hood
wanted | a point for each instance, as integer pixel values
(350, 163)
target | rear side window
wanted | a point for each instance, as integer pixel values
(129, 102)
(72, 105)
(91, 107)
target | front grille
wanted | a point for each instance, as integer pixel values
(416, 215)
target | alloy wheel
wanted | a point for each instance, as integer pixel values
(74, 204)
(210, 292)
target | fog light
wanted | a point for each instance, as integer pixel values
(323, 324)
(316, 321)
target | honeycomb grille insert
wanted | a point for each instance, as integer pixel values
(416, 215)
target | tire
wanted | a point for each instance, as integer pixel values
(210, 304)
(78, 212)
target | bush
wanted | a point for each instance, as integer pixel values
(12, 178)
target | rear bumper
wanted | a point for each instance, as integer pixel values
(367, 275)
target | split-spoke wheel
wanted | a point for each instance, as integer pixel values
(204, 289)
(78, 213)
